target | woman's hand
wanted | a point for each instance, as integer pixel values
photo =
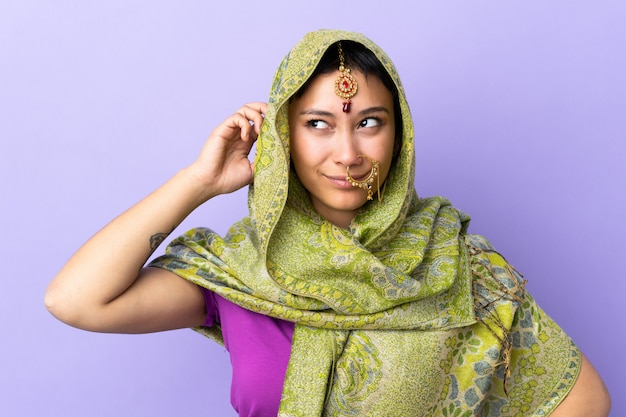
(223, 165)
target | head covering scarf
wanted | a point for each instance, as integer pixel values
(405, 310)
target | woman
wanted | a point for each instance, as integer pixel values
(341, 293)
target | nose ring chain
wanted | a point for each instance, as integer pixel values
(366, 183)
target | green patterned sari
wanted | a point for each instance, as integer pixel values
(401, 314)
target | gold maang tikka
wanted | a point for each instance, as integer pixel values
(345, 85)
(367, 183)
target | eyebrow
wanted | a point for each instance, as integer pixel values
(369, 110)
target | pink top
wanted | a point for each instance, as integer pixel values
(259, 348)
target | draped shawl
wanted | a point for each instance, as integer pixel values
(403, 313)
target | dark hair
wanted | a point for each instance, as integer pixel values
(358, 57)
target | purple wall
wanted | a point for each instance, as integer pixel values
(520, 120)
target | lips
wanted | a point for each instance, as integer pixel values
(339, 180)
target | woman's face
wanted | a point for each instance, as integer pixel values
(325, 141)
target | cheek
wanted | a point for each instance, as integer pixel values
(387, 158)
(295, 147)
(300, 156)
(306, 149)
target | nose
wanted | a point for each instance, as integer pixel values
(346, 152)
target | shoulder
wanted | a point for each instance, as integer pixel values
(487, 264)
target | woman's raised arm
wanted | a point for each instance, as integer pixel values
(104, 287)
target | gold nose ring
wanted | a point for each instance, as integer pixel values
(366, 184)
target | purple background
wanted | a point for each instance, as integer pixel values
(520, 113)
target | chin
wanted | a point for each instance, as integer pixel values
(347, 204)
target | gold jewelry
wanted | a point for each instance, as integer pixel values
(366, 183)
(345, 85)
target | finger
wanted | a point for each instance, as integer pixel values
(252, 167)
(239, 125)
(255, 113)
(258, 107)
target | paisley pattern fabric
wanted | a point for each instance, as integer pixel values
(401, 314)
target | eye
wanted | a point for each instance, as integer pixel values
(369, 122)
(317, 124)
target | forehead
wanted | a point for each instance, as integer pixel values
(320, 91)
